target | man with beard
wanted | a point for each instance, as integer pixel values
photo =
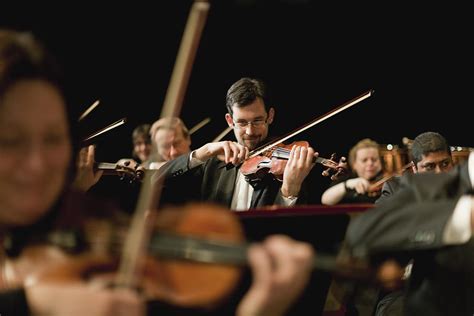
(211, 172)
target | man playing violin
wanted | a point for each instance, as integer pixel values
(170, 138)
(430, 219)
(211, 172)
(430, 152)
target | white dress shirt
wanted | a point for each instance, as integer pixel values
(458, 227)
(243, 191)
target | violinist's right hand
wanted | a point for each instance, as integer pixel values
(281, 268)
(227, 151)
(360, 185)
(81, 299)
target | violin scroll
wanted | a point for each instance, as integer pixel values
(339, 168)
(124, 168)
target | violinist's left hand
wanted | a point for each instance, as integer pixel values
(86, 176)
(299, 164)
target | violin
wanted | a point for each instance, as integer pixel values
(274, 159)
(88, 140)
(375, 188)
(190, 248)
(124, 168)
(88, 248)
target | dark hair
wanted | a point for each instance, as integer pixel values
(245, 91)
(23, 57)
(426, 143)
(142, 130)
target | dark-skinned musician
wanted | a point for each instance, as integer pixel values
(430, 152)
(429, 218)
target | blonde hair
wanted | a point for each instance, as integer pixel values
(169, 123)
(364, 143)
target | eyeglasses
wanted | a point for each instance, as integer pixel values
(243, 124)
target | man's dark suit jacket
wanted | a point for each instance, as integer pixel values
(410, 224)
(214, 181)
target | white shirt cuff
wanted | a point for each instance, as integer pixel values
(289, 201)
(458, 227)
(194, 162)
(470, 166)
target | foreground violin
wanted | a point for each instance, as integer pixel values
(274, 160)
(190, 248)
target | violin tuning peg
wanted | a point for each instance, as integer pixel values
(325, 173)
(337, 174)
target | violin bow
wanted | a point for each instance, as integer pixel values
(222, 134)
(196, 127)
(106, 129)
(314, 122)
(89, 109)
(143, 219)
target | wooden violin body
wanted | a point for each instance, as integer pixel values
(191, 247)
(274, 161)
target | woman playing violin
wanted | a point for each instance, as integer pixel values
(206, 172)
(366, 165)
(141, 143)
(36, 150)
(35, 155)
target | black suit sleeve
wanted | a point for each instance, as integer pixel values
(413, 218)
(13, 303)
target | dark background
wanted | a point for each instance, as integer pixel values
(313, 57)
